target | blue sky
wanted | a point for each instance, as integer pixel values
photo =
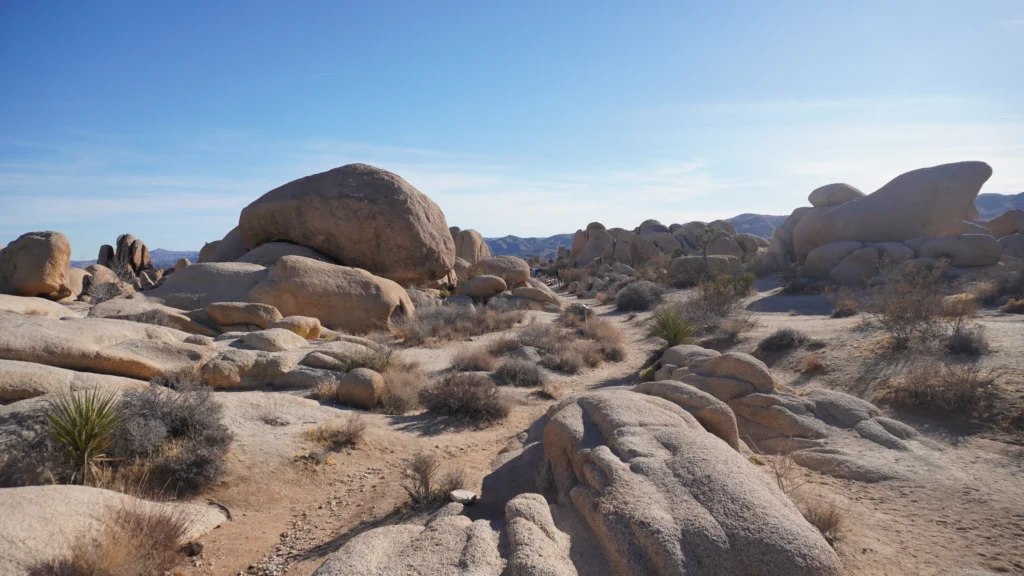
(164, 119)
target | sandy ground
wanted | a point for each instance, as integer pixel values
(287, 516)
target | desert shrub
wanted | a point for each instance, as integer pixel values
(132, 543)
(647, 374)
(32, 457)
(668, 324)
(325, 391)
(641, 295)
(824, 514)
(567, 276)
(959, 390)
(654, 270)
(423, 482)
(333, 436)
(445, 323)
(467, 396)
(844, 304)
(990, 291)
(376, 358)
(565, 360)
(520, 373)
(967, 341)
(1013, 307)
(179, 434)
(909, 302)
(813, 363)
(503, 346)
(605, 297)
(83, 426)
(401, 391)
(602, 331)
(543, 336)
(783, 339)
(473, 360)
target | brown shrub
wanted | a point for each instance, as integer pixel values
(473, 360)
(446, 323)
(334, 436)
(783, 339)
(468, 396)
(933, 388)
(826, 515)
(504, 345)
(602, 331)
(1013, 307)
(132, 543)
(401, 393)
(424, 483)
(813, 363)
(909, 303)
(543, 336)
(563, 360)
(844, 304)
(520, 373)
(326, 391)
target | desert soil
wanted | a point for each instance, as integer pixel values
(287, 515)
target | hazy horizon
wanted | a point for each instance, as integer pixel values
(529, 119)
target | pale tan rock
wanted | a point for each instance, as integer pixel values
(200, 285)
(922, 203)
(21, 380)
(536, 546)
(1008, 223)
(742, 367)
(1013, 245)
(726, 246)
(537, 295)
(960, 250)
(36, 264)
(273, 340)
(834, 195)
(685, 355)
(147, 311)
(342, 298)
(823, 259)
(78, 283)
(481, 286)
(361, 388)
(470, 246)
(40, 523)
(895, 252)
(228, 249)
(361, 216)
(268, 254)
(714, 415)
(857, 268)
(514, 271)
(691, 269)
(31, 306)
(229, 313)
(182, 263)
(305, 326)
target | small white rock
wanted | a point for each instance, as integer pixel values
(462, 496)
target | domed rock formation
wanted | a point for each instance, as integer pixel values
(361, 216)
(36, 264)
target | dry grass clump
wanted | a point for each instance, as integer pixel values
(504, 346)
(520, 373)
(654, 270)
(542, 336)
(638, 296)
(937, 389)
(826, 515)
(446, 323)
(473, 360)
(783, 339)
(965, 338)
(909, 303)
(423, 481)
(714, 310)
(813, 363)
(600, 330)
(401, 393)
(467, 396)
(563, 360)
(1013, 307)
(844, 304)
(334, 436)
(131, 543)
(325, 391)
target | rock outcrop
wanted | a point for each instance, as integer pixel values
(362, 217)
(470, 246)
(36, 264)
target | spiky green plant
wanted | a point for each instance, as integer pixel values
(83, 426)
(671, 327)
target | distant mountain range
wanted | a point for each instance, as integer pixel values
(989, 206)
(994, 205)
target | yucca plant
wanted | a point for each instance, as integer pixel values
(670, 326)
(83, 426)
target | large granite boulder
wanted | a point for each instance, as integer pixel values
(361, 216)
(470, 246)
(834, 195)
(228, 249)
(36, 264)
(922, 203)
(200, 285)
(514, 271)
(1008, 223)
(268, 254)
(342, 298)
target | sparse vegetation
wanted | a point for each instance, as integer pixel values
(401, 391)
(638, 296)
(473, 360)
(133, 543)
(504, 346)
(826, 515)
(563, 360)
(1013, 307)
(446, 323)
(467, 396)
(424, 483)
(520, 373)
(326, 391)
(844, 304)
(908, 304)
(783, 339)
(813, 363)
(945, 389)
(333, 436)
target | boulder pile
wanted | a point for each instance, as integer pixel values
(922, 215)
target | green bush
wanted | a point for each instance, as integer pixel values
(669, 325)
(83, 426)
